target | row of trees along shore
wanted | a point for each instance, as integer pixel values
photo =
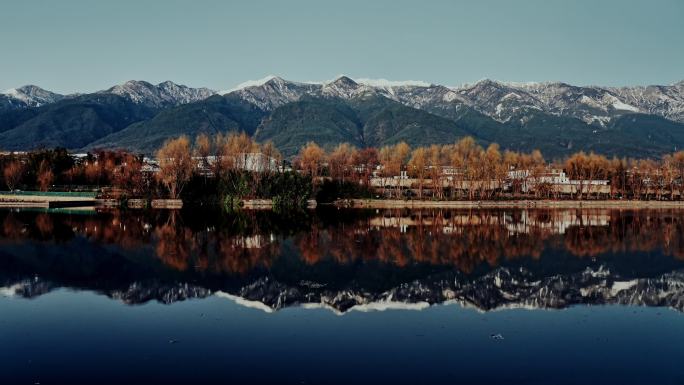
(209, 170)
(466, 170)
(222, 169)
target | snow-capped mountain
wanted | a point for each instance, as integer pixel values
(28, 96)
(498, 100)
(274, 92)
(666, 101)
(500, 288)
(164, 94)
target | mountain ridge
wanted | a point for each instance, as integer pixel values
(556, 117)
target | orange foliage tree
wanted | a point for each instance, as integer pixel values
(175, 165)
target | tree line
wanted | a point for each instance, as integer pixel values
(228, 168)
(207, 170)
(467, 170)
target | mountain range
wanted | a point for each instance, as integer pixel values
(554, 117)
(501, 288)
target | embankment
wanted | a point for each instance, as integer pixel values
(620, 204)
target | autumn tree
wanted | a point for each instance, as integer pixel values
(340, 161)
(575, 167)
(175, 165)
(668, 173)
(493, 170)
(128, 174)
(393, 159)
(435, 158)
(677, 163)
(236, 150)
(203, 150)
(270, 151)
(460, 154)
(45, 175)
(93, 172)
(417, 167)
(75, 174)
(535, 164)
(617, 176)
(310, 160)
(366, 160)
(465, 155)
(217, 149)
(511, 161)
(13, 172)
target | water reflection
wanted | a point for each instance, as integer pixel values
(346, 259)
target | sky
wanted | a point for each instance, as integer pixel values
(83, 45)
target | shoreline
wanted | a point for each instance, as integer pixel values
(411, 204)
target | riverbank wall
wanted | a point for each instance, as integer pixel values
(620, 204)
(46, 200)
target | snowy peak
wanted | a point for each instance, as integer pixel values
(346, 88)
(249, 83)
(499, 100)
(31, 96)
(344, 81)
(274, 92)
(164, 94)
(275, 81)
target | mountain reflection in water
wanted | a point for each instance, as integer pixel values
(352, 259)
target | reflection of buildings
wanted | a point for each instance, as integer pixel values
(460, 240)
(252, 241)
(523, 222)
(557, 222)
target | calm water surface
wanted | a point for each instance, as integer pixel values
(342, 296)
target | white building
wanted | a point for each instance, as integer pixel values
(555, 177)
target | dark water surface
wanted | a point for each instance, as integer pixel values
(342, 296)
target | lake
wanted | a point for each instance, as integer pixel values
(342, 296)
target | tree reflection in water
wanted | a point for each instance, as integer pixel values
(346, 258)
(465, 239)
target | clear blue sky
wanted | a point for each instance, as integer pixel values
(85, 45)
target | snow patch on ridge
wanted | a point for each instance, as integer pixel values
(380, 83)
(249, 83)
(245, 302)
(618, 105)
(392, 83)
(14, 93)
